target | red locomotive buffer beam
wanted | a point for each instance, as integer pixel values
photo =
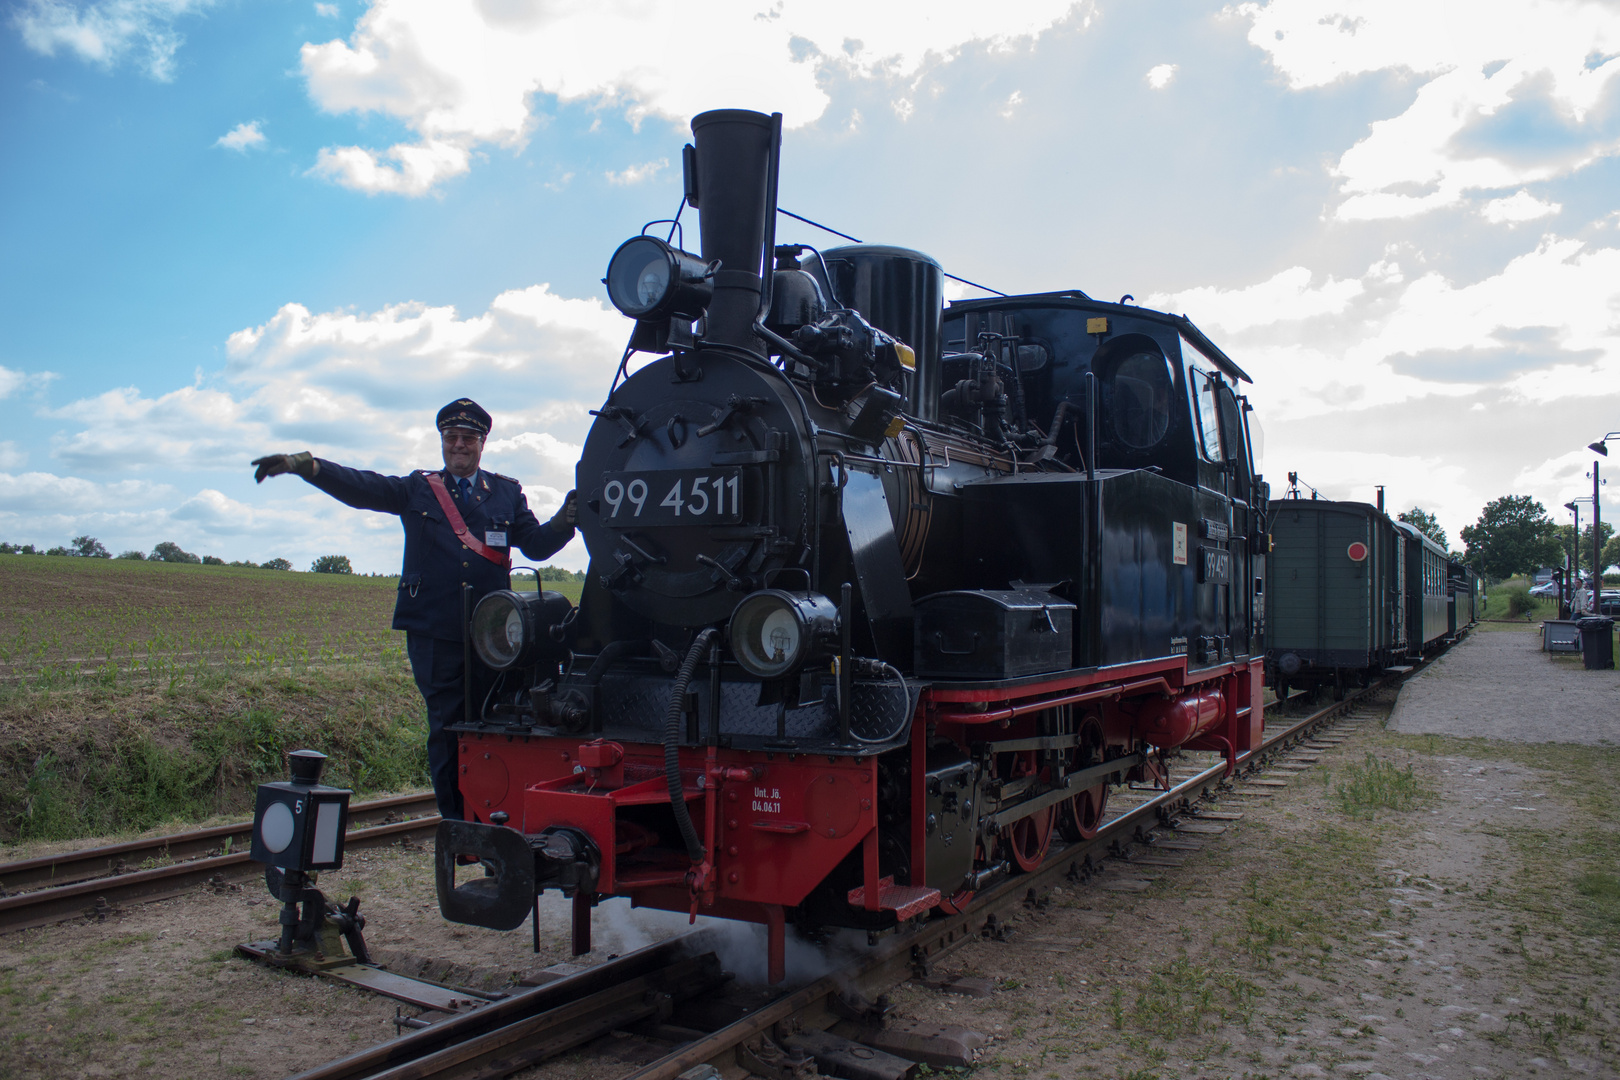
(771, 830)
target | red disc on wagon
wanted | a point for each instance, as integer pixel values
(1357, 551)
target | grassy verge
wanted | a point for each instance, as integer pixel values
(135, 696)
(97, 761)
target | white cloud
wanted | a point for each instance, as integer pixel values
(1285, 297)
(1528, 61)
(418, 168)
(462, 74)
(1014, 99)
(326, 11)
(104, 32)
(1553, 303)
(356, 387)
(242, 137)
(11, 457)
(636, 174)
(1160, 76)
(12, 382)
(1518, 207)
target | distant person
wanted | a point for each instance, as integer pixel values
(460, 526)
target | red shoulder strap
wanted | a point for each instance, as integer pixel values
(503, 559)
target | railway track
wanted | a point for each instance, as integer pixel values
(639, 992)
(53, 888)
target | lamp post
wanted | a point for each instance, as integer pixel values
(1572, 571)
(1573, 506)
(1599, 448)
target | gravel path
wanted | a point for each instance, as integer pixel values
(1500, 685)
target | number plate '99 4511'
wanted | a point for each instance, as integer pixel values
(672, 497)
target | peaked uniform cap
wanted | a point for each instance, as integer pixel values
(465, 413)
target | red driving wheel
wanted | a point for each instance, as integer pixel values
(1030, 836)
(1083, 814)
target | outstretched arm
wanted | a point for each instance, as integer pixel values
(359, 488)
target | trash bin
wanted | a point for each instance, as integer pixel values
(1597, 643)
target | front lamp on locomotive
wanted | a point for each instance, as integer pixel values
(883, 595)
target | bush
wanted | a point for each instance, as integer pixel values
(276, 564)
(1519, 602)
(138, 556)
(249, 563)
(331, 564)
(17, 549)
(169, 551)
(213, 560)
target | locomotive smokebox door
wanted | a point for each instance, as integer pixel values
(993, 633)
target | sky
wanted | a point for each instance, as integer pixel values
(234, 227)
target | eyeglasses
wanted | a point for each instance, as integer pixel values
(461, 438)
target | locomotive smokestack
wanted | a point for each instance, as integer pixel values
(735, 206)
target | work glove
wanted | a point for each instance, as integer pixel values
(302, 463)
(567, 515)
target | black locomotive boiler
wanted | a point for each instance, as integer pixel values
(883, 593)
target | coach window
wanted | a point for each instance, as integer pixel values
(1141, 390)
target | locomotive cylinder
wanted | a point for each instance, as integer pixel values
(734, 148)
(1182, 719)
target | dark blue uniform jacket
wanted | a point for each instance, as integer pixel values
(436, 562)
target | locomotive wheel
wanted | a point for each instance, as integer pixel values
(1083, 814)
(1030, 836)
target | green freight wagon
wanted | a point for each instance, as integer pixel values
(1337, 608)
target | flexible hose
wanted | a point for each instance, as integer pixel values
(672, 745)
(905, 714)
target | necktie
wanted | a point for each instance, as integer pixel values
(466, 489)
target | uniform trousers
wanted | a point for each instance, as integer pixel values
(437, 665)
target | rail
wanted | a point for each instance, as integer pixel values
(52, 888)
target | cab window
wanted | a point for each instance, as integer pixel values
(1141, 388)
(1209, 415)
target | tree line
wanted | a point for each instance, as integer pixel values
(88, 547)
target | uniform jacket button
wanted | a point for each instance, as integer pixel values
(464, 564)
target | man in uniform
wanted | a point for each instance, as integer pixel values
(460, 525)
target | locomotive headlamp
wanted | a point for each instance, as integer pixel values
(648, 279)
(298, 824)
(510, 629)
(774, 632)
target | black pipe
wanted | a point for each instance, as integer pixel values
(773, 171)
(846, 675)
(672, 745)
(1091, 425)
(733, 150)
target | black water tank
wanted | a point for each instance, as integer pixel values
(901, 292)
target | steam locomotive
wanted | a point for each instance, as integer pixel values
(883, 593)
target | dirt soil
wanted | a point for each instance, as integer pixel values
(1472, 934)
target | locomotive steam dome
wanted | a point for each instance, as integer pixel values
(693, 488)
